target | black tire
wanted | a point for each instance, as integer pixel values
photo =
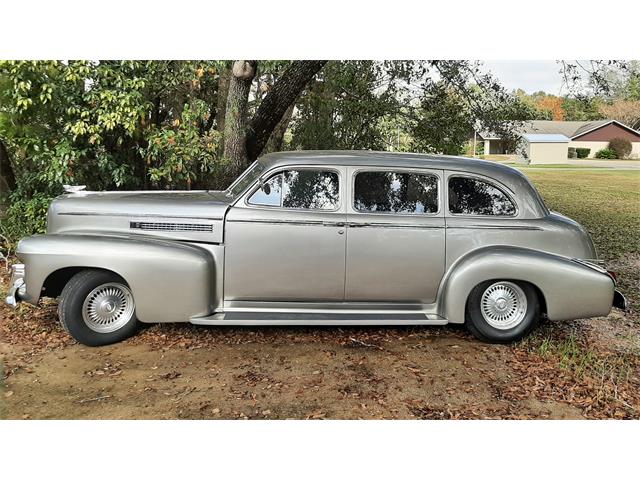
(71, 305)
(478, 326)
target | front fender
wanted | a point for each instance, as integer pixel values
(570, 289)
(170, 281)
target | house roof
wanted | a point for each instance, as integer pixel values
(558, 127)
(545, 138)
(568, 129)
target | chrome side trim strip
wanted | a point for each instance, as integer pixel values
(392, 225)
(494, 227)
(271, 221)
(136, 215)
(336, 224)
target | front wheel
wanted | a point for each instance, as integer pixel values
(502, 311)
(97, 308)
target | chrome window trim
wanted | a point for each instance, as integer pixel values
(503, 188)
(237, 180)
(276, 221)
(271, 173)
(418, 171)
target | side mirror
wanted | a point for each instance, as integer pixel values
(264, 186)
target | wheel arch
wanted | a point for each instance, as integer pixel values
(566, 289)
(58, 279)
(157, 271)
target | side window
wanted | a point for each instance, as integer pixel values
(270, 194)
(470, 196)
(304, 189)
(395, 192)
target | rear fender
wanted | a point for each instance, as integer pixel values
(570, 289)
(170, 281)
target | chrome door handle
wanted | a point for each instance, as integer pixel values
(333, 224)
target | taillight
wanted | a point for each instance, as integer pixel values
(613, 275)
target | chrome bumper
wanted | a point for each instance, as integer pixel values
(17, 285)
(619, 301)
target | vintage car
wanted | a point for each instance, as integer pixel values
(319, 238)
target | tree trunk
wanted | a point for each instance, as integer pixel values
(223, 92)
(276, 140)
(235, 122)
(7, 177)
(276, 103)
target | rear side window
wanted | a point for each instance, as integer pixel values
(470, 196)
(303, 189)
(396, 192)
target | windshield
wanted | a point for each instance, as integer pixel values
(249, 176)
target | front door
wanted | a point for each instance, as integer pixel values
(396, 236)
(285, 240)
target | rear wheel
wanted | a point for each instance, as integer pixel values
(502, 311)
(97, 308)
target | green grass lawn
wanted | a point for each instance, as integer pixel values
(607, 203)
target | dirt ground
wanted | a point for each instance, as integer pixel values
(184, 371)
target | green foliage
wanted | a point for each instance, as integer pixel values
(345, 107)
(426, 106)
(606, 153)
(24, 217)
(182, 155)
(108, 125)
(90, 122)
(621, 146)
(583, 152)
(582, 109)
(572, 153)
(442, 123)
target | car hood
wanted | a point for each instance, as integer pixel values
(185, 215)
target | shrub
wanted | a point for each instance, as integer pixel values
(572, 153)
(24, 218)
(606, 153)
(583, 152)
(621, 146)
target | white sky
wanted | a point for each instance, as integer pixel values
(529, 75)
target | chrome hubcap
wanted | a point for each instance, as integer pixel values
(503, 305)
(108, 307)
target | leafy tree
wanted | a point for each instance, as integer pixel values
(625, 111)
(551, 104)
(343, 108)
(582, 109)
(432, 105)
(442, 122)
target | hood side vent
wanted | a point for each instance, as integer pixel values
(172, 227)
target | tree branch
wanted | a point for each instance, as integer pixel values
(273, 107)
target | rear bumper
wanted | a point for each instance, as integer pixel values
(17, 285)
(619, 301)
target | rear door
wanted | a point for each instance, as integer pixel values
(395, 236)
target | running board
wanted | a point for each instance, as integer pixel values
(279, 318)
